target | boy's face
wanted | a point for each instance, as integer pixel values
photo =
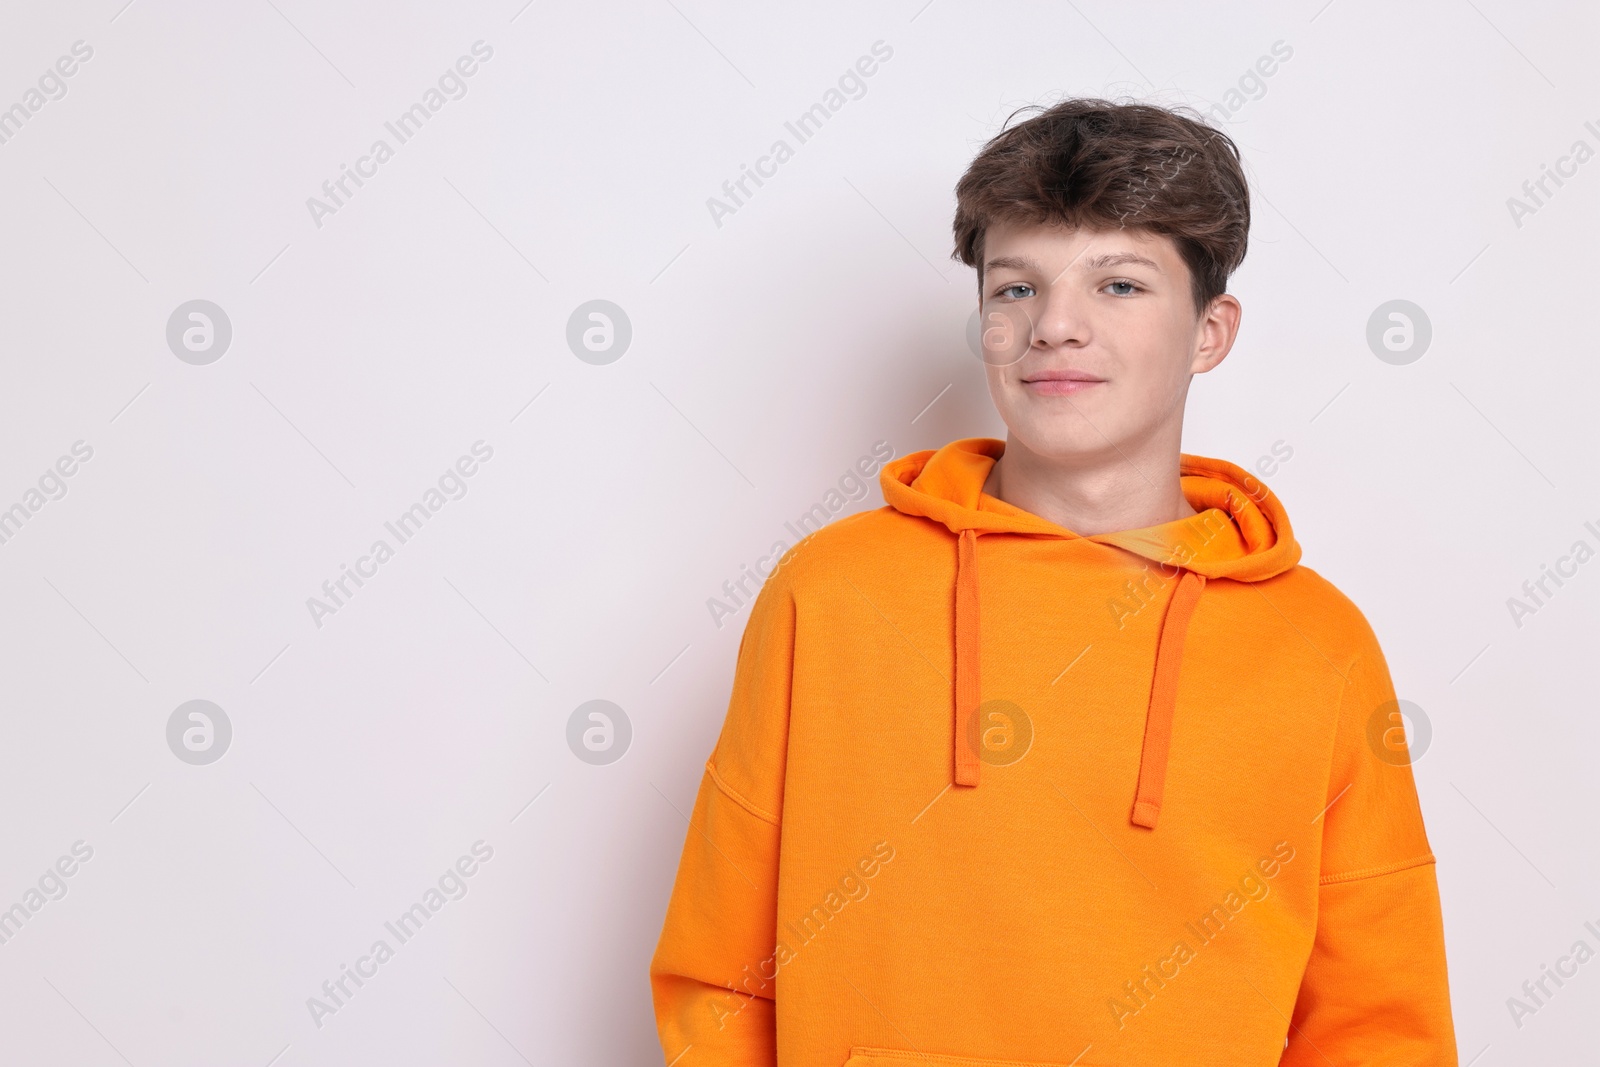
(1111, 305)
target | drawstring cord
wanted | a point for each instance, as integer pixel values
(968, 681)
(1164, 699)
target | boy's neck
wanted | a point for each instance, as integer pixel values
(1094, 494)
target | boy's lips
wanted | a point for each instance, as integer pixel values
(1066, 382)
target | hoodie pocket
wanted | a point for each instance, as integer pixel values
(862, 1056)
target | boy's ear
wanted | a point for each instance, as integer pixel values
(1218, 325)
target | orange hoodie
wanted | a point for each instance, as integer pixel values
(993, 794)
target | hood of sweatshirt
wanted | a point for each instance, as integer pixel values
(1240, 533)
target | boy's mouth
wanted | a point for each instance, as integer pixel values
(1061, 382)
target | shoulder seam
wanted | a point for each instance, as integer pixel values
(1338, 723)
(738, 799)
(1376, 872)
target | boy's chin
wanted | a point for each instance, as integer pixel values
(1068, 437)
(1060, 435)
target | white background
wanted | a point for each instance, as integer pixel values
(768, 354)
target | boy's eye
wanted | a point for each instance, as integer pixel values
(1129, 291)
(1008, 290)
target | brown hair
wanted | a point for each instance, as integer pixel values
(1102, 165)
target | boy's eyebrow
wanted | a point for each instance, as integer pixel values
(1100, 262)
(1117, 259)
(1012, 263)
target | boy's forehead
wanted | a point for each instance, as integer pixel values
(1023, 245)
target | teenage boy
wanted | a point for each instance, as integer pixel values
(1061, 757)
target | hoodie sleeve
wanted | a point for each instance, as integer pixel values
(1374, 991)
(712, 975)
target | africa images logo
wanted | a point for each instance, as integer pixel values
(803, 128)
(451, 85)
